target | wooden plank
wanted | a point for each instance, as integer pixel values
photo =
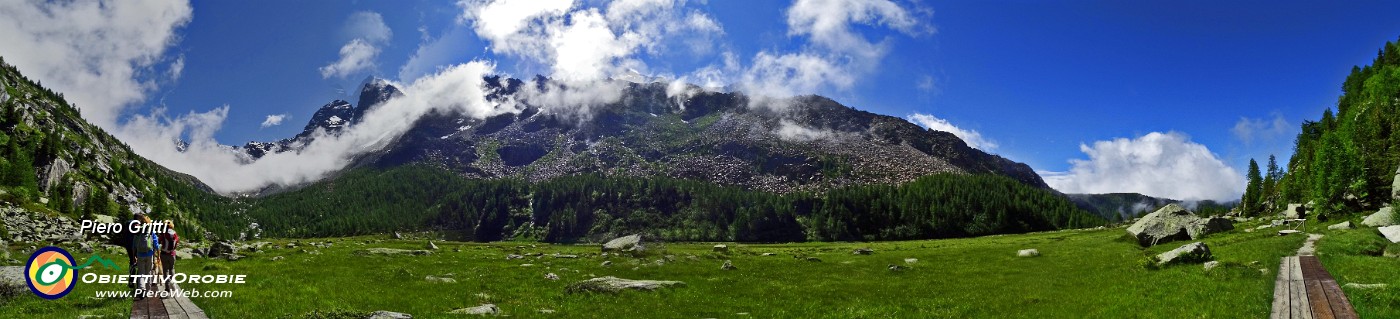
(157, 309)
(173, 309)
(1317, 300)
(1341, 307)
(1298, 296)
(140, 310)
(1280, 309)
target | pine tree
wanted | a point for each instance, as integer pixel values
(1252, 190)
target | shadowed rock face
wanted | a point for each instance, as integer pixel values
(813, 144)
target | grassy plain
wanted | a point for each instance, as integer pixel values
(1080, 274)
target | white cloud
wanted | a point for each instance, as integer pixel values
(1249, 130)
(369, 32)
(368, 25)
(971, 137)
(456, 89)
(828, 23)
(926, 84)
(789, 130)
(1157, 164)
(587, 44)
(435, 52)
(835, 55)
(355, 56)
(177, 68)
(274, 120)
(94, 52)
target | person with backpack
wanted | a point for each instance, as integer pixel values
(168, 241)
(145, 246)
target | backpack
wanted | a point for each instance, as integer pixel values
(142, 243)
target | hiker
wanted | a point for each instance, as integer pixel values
(145, 245)
(125, 239)
(168, 241)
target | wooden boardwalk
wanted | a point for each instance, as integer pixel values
(1305, 290)
(172, 308)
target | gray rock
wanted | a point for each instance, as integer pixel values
(1395, 186)
(389, 315)
(911, 261)
(432, 246)
(1171, 222)
(721, 248)
(393, 252)
(1391, 233)
(85, 248)
(613, 284)
(1383, 217)
(276, 258)
(221, 249)
(1028, 253)
(863, 251)
(558, 255)
(551, 276)
(1211, 225)
(53, 174)
(893, 267)
(728, 265)
(184, 253)
(1189, 253)
(396, 235)
(1341, 225)
(486, 309)
(440, 280)
(12, 279)
(768, 254)
(514, 256)
(813, 259)
(625, 243)
(1211, 265)
(1295, 211)
(606, 263)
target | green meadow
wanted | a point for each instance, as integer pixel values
(1079, 274)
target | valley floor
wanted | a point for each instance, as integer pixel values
(1079, 274)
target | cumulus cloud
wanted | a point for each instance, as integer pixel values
(1249, 130)
(433, 52)
(971, 137)
(456, 89)
(578, 43)
(1166, 165)
(95, 52)
(834, 57)
(274, 120)
(369, 32)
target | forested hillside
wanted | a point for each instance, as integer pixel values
(1345, 161)
(592, 208)
(55, 163)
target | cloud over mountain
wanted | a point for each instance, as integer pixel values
(1158, 164)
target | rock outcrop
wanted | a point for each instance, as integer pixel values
(25, 226)
(486, 309)
(1028, 253)
(1341, 225)
(613, 284)
(1383, 217)
(625, 243)
(1172, 222)
(1391, 233)
(393, 252)
(1189, 253)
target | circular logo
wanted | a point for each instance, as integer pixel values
(50, 272)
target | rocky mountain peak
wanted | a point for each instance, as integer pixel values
(373, 91)
(333, 116)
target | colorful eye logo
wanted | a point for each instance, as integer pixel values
(50, 272)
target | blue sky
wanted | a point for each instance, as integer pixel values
(1039, 82)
